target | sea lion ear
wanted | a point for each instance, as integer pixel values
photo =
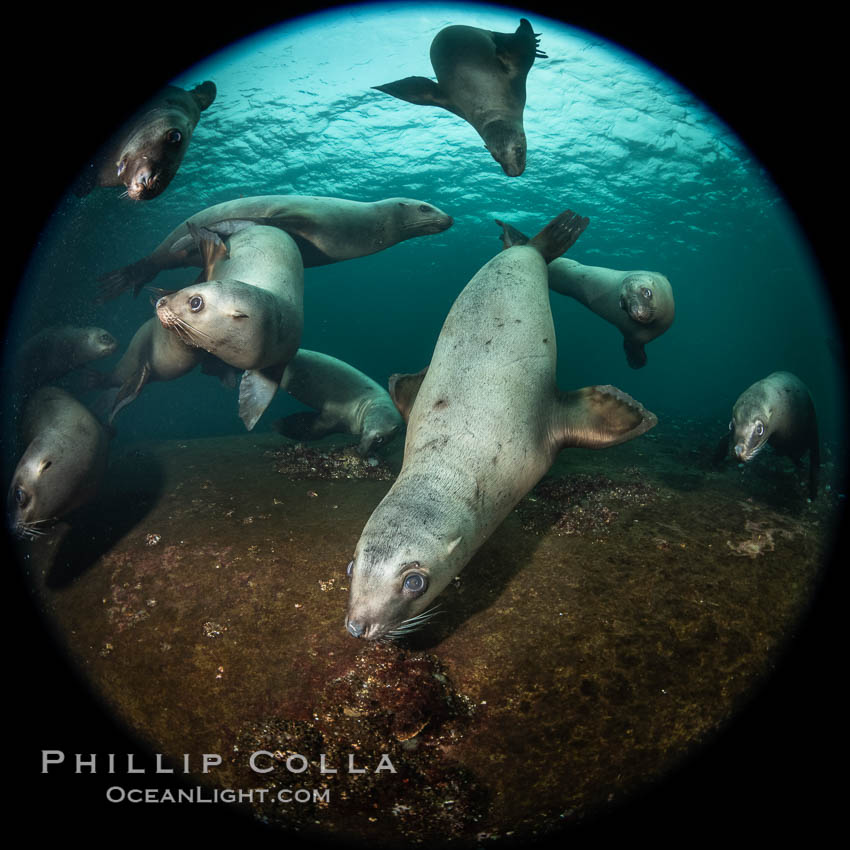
(204, 94)
(403, 390)
(45, 464)
(635, 354)
(453, 545)
(598, 417)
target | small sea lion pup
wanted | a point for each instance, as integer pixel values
(481, 78)
(249, 312)
(63, 463)
(777, 410)
(485, 423)
(345, 400)
(57, 350)
(638, 303)
(145, 154)
(326, 230)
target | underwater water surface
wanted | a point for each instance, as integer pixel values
(667, 186)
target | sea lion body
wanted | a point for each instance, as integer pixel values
(485, 425)
(146, 153)
(777, 410)
(326, 230)
(62, 465)
(250, 315)
(345, 399)
(481, 78)
(638, 303)
(55, 351)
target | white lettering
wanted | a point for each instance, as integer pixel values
(111, 792)
(385, 764)
(160, 768)
(304, 763)
(323, 767)
(51, 757)
(211, 760)
(130, 768)
(253, 762)
(352, 768)
(88, 763)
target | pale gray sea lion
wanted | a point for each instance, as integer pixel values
(326, 230)
(57, 350)
(249, 313)
(638, 303)
(777, 410)
(481, 78)
(145, 154)
(63, 463)
(486, 424)
(345, 400)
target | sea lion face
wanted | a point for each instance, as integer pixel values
(380, 428)
(417, 218)
(639, 299)
(507, 145)
(36, 496)
(227, 318)
(99, 343)
(751, 431)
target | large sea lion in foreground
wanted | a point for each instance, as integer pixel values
(145, 154)
(326, 230)
(486, 424)
(57, 350)
(63, 463)
(249, 313)
(777, 410)
(481, 78)
(345, 400)
(638, 303)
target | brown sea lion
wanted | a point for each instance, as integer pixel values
(481, 78)
(777, 410)
(345, 400)
(326, 230)
(145, 154)
(486, 424)
(63, 463)
(638, 303)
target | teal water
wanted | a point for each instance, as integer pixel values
(666, 184)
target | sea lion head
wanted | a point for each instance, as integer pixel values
(158, 139)
(418, 218)
(750, 427)
(400, 566)
(228, 318)
(380, 425)
(98, 343)
(644, 296)
(38, 494)
(507, 145)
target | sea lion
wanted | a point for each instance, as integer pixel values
(486, 424)
(249, 313)
(145, 154)
(638, 303)
(347, 402)
(62, 465)
(326, 230)
(777, 410)
(481, 78)
(57, 350)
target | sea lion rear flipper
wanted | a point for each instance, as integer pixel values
(306, 425)
(598, 417)
(510, 235)
(210, 246)
(419, 90)
(403, 389)
(256, 390)
(134, 277)
(130, 389)
(635, 354)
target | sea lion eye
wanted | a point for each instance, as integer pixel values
(424, 208)
(415, 583)
(647, 293)
(196, 303)
(759, 428)
(350, 568)
(173, 136)
(20, 496)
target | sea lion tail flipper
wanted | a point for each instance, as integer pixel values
(256, 390)
(306, 425)
(510, 235)
(419, 90)
(210, 246)
(403, 389)
(516, 51)
(134, 277)
(129, 390)
(598, 417)
(559, 235)
(635, 354)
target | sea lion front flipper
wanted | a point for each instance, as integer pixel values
(306, 425)
(403, 389)
(635, 354)
(256, 390)
(210, 246)
(130, 389)
(559, 235)
(134, 277)
(510, 235)
(598, 417)
(421, 91)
